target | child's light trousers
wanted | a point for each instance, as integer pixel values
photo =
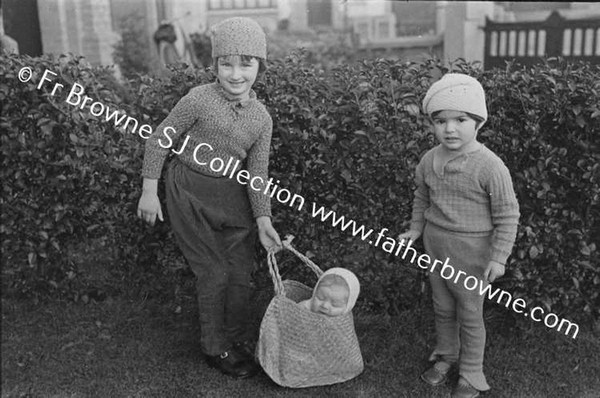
(458, 310)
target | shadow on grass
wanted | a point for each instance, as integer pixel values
(122, 348)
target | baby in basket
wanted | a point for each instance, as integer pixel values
(334, 294)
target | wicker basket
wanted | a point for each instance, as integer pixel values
(299, 348)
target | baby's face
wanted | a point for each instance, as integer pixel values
(330, 300)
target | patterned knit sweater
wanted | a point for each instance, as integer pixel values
(473, 196)
(215, 125)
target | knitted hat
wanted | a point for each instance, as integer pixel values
(351, 280)
(456, 92)
(238, 36)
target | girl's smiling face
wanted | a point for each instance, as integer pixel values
(456, 131)
(237, 75)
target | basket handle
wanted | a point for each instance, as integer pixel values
(274, 269)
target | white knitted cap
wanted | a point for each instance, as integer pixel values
(351, 280)
(456, 92)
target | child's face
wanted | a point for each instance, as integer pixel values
(454, 130)
(237, 75)
(330, 300)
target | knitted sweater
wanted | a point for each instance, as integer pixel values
(474, 196)
(218, 127)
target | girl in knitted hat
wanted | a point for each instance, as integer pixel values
(466, 210)
(213, 216)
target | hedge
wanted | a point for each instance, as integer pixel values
(347, 138)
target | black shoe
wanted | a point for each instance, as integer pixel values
(229, 364)
(246, 348)
(437, 374)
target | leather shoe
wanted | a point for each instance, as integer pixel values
(464, 390)
(437, 374)
(246, 348)
(229, 363)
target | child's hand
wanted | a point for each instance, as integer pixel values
(149, 208)
(494, 270)
(409, 235)
(269, 238)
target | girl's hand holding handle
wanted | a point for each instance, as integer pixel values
(410, 235)
(269, 238)
(149, 204)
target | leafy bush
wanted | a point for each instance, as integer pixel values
(546, 126)
(347, 138)
(133, 51)
(323, 49)
(202, 48)
(68, 177)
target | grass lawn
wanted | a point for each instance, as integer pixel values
(123, 348)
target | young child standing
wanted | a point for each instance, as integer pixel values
(466, 209)
(212, 216)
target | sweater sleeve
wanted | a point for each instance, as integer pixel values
(258, 165)
(421, 200)
(504, 209)
(181, 118)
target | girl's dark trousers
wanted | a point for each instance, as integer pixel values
(214, 228)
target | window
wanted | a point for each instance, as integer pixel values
(362, 29)
(383, 29)
(319, 13)
(241, 4)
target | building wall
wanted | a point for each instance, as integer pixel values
(456, 43)
(415, 18)
(362, 8)
(90, 27)
(199, 15)
(52, 27)
(527, 6)
(371, 20)
(78, 26)
(298, 17)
